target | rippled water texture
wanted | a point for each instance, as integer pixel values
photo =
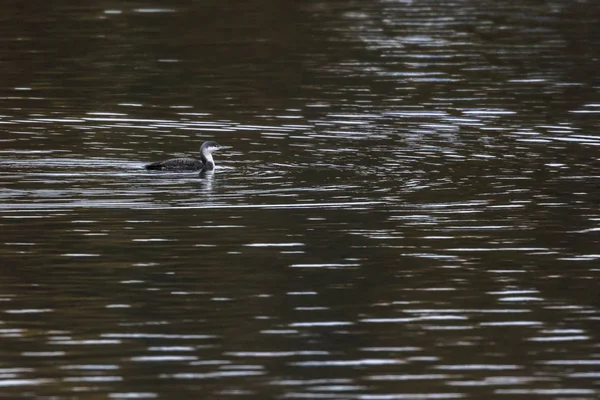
(409, 210)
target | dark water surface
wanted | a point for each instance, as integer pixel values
(410, 209)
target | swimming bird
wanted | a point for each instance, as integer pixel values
(205, 163)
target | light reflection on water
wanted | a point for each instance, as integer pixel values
(456, 262)
(408, 210)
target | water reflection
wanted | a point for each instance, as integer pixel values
(408, 211)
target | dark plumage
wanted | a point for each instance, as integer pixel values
(177, 164)
(205, 163)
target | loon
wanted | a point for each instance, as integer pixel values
(206, 162)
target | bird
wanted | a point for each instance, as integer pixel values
(206, 162)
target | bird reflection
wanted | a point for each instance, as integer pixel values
(206, 180)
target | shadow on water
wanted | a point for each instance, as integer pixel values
(409, 209)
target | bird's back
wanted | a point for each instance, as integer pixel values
(176, 164)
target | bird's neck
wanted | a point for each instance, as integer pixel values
(207, 160)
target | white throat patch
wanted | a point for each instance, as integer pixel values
(209, 157)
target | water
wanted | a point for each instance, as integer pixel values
(409, 209)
